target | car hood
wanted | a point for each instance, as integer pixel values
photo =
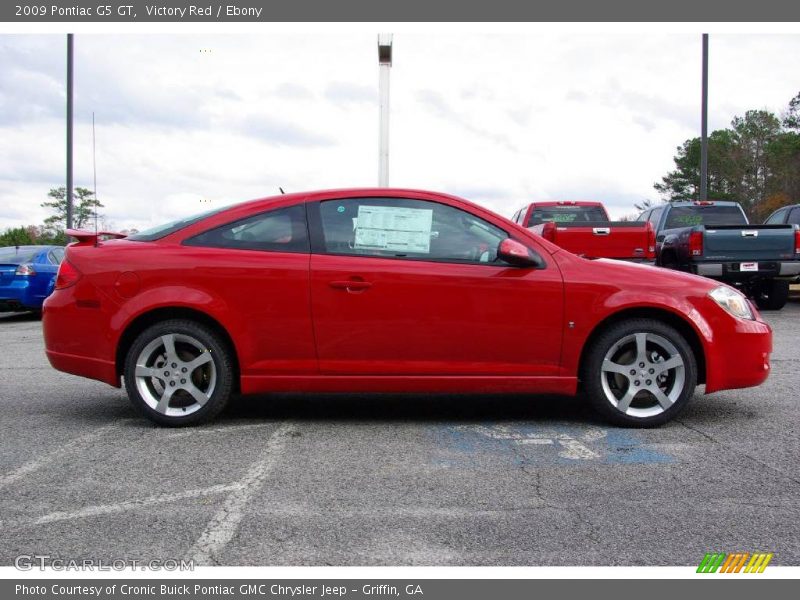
(637, 275)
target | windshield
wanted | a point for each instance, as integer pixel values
(568, 214)
(16, 255)
(160, 231)
(689, 216)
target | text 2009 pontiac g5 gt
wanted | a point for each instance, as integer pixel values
(380, 290)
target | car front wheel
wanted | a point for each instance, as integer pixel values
(179, 372)
(639, 373)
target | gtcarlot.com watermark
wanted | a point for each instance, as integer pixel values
(29, 562)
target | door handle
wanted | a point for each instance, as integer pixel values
(351, 285)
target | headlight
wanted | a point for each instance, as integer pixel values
(732, 301)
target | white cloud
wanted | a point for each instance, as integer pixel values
(499, 119)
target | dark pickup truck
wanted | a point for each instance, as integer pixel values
(714, 239)
(583, 228)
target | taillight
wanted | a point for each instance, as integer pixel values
(797, 240)
(696, 243)
(549, 231)
(67, 275)
(25, 271)
(651, 240)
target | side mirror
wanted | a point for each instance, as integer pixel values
(518, 254)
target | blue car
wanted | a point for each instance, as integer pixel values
(27, 276)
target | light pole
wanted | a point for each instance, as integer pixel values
(69, 131)
(704, 125)
(385, 65)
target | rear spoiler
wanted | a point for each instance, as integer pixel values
(91, 238)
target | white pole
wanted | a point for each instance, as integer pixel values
(385, 65)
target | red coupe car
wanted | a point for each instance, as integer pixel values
(388, 290)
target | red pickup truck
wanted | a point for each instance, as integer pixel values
(584, 228)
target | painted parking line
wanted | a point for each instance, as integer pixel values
(563, 444)
(225, 523)
(74, 445)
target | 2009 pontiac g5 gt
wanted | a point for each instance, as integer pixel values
(388, 290)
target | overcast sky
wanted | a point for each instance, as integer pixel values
(499, 119)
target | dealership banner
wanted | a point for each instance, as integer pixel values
(107, 11)
(357, 589)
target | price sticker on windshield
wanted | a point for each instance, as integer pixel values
(748, 266)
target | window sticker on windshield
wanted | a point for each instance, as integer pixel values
(394, 229)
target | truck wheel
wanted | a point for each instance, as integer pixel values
(179, 372)
(639, 373)
(772, 295)
(670, 261)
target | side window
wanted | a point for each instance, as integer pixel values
(794, 216)
(777, 218)
(55, 256)
(515, 218)
(643, 216)
(404, 228)
(655, 216)
(280, 230)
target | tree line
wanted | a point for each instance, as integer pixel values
(755, 161)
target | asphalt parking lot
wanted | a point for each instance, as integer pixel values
(394, 480)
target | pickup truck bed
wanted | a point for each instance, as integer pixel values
(583, 227)
(625, 240)
(714, 239)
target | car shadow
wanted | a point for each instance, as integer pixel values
(20, 317)
(396, 408)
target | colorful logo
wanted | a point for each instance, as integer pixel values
(734, 563)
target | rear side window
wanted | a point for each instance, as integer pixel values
(160, 231)
(794, 217)
(55, 256)
(567, 214)
(688, 216)
(281, 230)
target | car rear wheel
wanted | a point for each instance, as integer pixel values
(772, 295)
(639, 373)
(179, 372)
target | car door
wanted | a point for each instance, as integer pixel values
(413, 287)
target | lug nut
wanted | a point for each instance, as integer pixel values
(166, 373)
(648, 382)
(641, 365)
(183, 381)
(172, 383)
(633, 371)
(652, 371)
(637, 383)
(175, 365)
(183, 370)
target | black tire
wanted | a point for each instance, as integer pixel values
(670, 261)
(772, 294)
(213, 379)
(662, 342)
